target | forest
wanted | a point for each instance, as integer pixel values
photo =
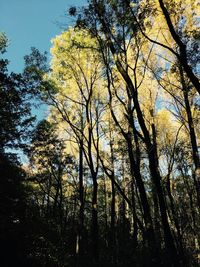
(112, 176)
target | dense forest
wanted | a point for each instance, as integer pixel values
(112, 176)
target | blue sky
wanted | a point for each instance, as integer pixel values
(33, 23)
(30, 23)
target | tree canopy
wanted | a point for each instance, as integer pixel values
(113, 171)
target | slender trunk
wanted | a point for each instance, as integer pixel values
(79, 248)
(174, 217)
(163, 211)
(154, 194)
(135, 225)
(113, 212)
(106, 216)
(94, 172)
(48, 196)
(95, 230)
(135, 172)
(156, 178)
(112, 226)
(56, 200)
(81, 187)
(193, 139)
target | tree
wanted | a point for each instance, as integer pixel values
(14, 122)
(124, 112)
(15, 110)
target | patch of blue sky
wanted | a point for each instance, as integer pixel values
(29, 23)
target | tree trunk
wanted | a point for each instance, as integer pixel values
(80, 237)
(193, 139)
(113, 212)
(95, 230)
(153, 166)
(182, 49)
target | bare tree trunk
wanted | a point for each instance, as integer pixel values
(113, 211)
(95, 228)
(79, 249)
(193, 138)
